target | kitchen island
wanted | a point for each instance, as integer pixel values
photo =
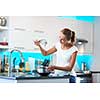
(36, 78)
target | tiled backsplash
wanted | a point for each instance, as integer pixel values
(88, 59)
(26, 55)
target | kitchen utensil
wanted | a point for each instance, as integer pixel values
(46, 62)
(42, 68)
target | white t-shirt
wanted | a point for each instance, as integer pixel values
(63, 59)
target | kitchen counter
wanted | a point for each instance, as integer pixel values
(36, 78)
(95, 71)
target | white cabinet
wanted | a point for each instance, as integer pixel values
(25, 29)
(21, 32)
(96, 77)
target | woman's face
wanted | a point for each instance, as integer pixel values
(62, 38)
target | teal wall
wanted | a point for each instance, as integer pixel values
(26, 55)
(88, 59)
(82, 18)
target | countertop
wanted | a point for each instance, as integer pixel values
(24, 76)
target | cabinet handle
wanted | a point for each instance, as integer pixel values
(20, 29)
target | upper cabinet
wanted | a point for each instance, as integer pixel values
(25, 29)
(21, 32)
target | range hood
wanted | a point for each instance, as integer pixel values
(80, 41)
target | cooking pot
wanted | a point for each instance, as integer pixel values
(43, 71)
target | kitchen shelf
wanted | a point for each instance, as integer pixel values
(3, 28)
(3, 47)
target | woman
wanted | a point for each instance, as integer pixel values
(66, 54)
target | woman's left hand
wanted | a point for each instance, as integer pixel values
(51, 68)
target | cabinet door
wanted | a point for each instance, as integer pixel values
(23, 22)
(44, 81)
(21, 28)
(96, 77)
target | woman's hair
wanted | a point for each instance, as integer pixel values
(70, 35)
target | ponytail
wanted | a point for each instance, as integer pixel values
(73, 37)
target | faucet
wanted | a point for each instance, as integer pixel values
(10, 65)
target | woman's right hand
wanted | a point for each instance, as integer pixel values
(37, 43)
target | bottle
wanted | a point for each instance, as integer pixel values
(3, 64)
(0, 63)
(27, 66)
(6, 63)
(83, 66)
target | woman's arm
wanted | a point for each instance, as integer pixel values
(50, 51)
(67, 68)
(43, 51)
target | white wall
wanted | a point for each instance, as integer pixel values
(96, 65)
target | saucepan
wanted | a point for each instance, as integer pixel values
(43, 71)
